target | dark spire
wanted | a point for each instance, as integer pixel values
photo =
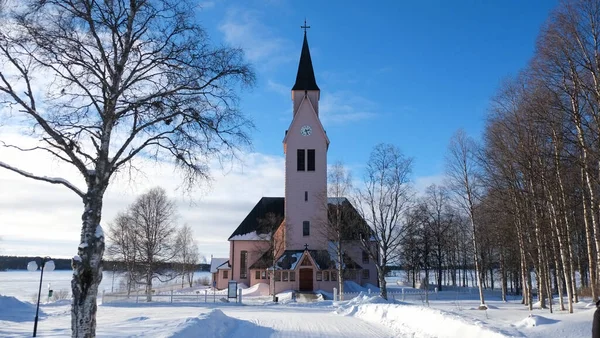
(305, 80)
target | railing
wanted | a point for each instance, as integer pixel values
(403, 295)
(421, 295)
(205, 296)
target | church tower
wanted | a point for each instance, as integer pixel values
(305, 146)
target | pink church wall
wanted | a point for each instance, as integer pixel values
(255, 250)
(286, 286)
(297, 210)
(354, 250)
(220, 278)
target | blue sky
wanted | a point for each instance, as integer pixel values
(403, 72)
(400, 72)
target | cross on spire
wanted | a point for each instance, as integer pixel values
(305, 246)
(305, 27)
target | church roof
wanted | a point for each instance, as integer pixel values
(290, 259)
(355, 226)
(253, 223)
(219, 264)
(257, 225)
(305, 79)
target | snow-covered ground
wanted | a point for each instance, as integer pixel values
(449, 314)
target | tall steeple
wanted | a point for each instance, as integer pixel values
(305, 80)
(305, 145)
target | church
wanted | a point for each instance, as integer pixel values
(287, 242)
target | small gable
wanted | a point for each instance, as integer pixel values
(306, 261)
(305, 114)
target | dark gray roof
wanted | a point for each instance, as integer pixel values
(253, 222)
(355, 226)
(257, 220)
(305, 79)
(289, 259)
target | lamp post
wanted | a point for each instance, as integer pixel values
(112, 287)
(32, 266)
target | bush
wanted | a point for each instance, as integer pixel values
(56, 296)
(204, 280)
(60, 295)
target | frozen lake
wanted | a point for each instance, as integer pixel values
(24, 284)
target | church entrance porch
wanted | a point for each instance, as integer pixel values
(306, 279)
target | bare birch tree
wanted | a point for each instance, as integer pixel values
(383, 201)
(271, 232)
(122, 246)
(464, 180)
(151, 227)
(187, 254)
(439, 223)
(340, 217)
(99, 83)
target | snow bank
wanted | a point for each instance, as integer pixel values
(414, 321)
(534, 320)
(14, 310)
(61, 302)
(260, 289)
(350, 286)
(216, 324)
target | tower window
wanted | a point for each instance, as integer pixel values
(311, 160)
(300, 160)
(305, 196)
(365, 257)
(306, 228)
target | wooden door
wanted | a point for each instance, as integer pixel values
(306, 279)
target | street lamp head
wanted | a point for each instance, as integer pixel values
(46, 263)
(32, 266)
(49, 266)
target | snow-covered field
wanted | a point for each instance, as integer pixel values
(450, 314)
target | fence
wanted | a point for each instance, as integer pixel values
(403, 295)
(205, 296)
(420, 295)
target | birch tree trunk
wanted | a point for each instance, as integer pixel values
(87, 265)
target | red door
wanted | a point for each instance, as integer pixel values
(306, 279)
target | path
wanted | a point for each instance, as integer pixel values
(296, 322)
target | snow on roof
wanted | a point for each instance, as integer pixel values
(219, 264)
(251, 236)
(296, 259)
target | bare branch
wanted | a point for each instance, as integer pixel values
(53, 180)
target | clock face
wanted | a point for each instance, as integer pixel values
(305, 130)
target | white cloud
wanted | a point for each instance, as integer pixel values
(421, 183)
(279, 88)
(207, 4)
(244, 28)
(37, 218)
(344, 107)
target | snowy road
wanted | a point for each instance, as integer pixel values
(297, 322)
(220, 321)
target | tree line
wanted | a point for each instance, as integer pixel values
(519, 209)
(539, 160)
(20, 263)
(521, 206)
